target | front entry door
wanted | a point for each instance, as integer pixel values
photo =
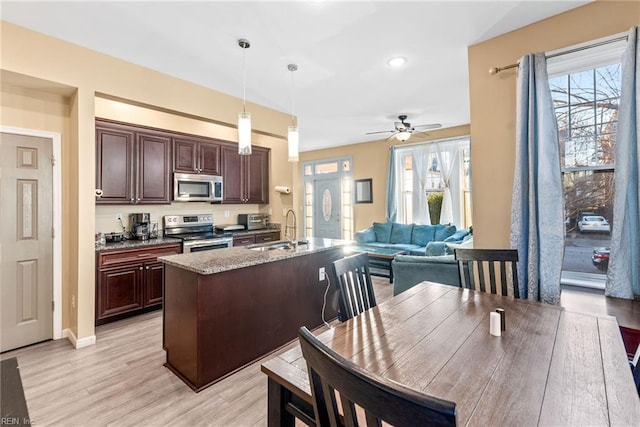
(26, 241)
(327, 203)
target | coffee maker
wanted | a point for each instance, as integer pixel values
(140, 224)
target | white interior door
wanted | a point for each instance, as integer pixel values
(327, 203)
(26, 241)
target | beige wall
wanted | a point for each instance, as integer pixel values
(48, 64)
(493, 103)
(371, 160)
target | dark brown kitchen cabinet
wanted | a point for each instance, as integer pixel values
(268, 237)
(130, 281)
(191, 155)
(132, 165)
(250, 239)
(246, 178)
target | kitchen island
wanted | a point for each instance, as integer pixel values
(226, 308)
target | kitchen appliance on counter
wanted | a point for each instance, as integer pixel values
(196, 232)
(254, 221)
(140, 223)
(229, 228)
(195, 187)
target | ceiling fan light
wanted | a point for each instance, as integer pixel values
(403, 136)
(244, 133)
(293, 139)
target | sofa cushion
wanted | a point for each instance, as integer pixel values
(401, 233)
(444, 231)
(457, 236)
(383, 231)
(422, 234)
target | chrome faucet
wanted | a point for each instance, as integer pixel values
(287, 227)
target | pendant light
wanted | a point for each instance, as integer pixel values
(244, 118)
(292, 133)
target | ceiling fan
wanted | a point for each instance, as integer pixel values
(403, 130)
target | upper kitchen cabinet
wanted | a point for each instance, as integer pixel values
(133, 165)
(191, 155)
(246, 178)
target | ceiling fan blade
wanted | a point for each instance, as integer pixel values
(430, 126)
(380, 131)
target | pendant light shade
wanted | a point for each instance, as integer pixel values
(244, 118)
(244, 133)
(293, 137)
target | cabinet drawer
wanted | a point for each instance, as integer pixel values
(244, 240)
(267, 237)
(136, 255)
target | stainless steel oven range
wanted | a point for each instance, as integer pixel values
(196, 232)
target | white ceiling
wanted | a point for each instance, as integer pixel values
(343, 86)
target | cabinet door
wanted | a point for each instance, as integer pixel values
(153, 281)
(153, 183)
(185, 155)
(114, 163)
(244, 240)
(232, 168)
(257, 177)
(119, 290)
(209, 158)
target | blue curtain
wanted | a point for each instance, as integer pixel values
(392, 203)
(623, 276)
(537, 218)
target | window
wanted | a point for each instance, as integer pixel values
(586, 95)
(425, 173)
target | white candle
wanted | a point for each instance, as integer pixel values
(494, 324)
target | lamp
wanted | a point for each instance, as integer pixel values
(244, 118)
(293, 137)
(403, 136)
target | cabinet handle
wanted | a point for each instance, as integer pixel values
(131, 199)
(140, 268)
(147, 267)
(138, 199)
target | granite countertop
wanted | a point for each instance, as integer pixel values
(217, 261)
(137, 244)
(252, 232)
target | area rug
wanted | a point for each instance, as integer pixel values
(13, 406)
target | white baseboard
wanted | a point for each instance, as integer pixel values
(78, 343)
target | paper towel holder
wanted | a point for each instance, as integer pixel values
(282, 189)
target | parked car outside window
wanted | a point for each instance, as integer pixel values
(600, 258)
(594, 223)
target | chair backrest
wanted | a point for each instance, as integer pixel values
(636, 369)
(467, 258)
(379, 398)
(355, 289)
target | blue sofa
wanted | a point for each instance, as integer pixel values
(413, 238)
(409, 270)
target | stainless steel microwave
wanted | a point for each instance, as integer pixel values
(192, 187)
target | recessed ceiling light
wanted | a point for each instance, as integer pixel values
(397, 61)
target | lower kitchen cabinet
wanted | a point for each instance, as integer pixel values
(251, 239)
(130, 281)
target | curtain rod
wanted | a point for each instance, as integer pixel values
(496, 70)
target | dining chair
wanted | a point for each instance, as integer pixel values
(355, 289)
(380, 399)
(471, 260)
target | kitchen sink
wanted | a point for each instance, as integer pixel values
(280, 244)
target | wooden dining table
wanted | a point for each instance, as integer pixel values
(551, 366)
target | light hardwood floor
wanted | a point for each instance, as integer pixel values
(121, 381)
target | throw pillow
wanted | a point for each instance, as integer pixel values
(401, 233)
(383, 231)
(457, 236)
(422, 234)
(444, 232)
